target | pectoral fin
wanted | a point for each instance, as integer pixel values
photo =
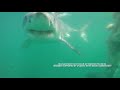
(70, 46)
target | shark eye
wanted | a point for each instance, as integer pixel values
(29, 20)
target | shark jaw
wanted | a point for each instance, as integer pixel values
(42, 33)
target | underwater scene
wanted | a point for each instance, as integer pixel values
(59, 44)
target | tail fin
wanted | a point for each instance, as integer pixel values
(83, 32)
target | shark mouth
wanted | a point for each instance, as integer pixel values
(41, 32)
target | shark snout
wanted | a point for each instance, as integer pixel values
(39, 21)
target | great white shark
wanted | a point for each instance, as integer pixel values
(47, 26)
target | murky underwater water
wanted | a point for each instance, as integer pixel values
(38, 60)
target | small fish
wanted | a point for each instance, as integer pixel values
(110, 26)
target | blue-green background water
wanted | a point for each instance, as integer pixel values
(37, 61)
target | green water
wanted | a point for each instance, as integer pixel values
(37, 61)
